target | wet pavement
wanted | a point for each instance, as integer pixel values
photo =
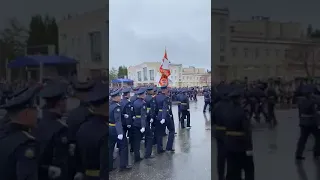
(274, 151)
(191, 160)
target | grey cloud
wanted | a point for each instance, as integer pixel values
(141, 30)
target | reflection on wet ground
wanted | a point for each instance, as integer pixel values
(274, 151)
(191, 160)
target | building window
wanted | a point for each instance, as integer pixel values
(257, 53)
(286, 53)
(246, 52)
(222, 43)
(234, 52)
(222, 59)
(139, 76)
(151, 75)
(95, 46)
(267, 52)
(223, 25)
(277, 52)
(145, 74)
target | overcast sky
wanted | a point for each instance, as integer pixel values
(141, 29)
(306, 12)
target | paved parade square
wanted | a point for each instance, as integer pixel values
(192, 158)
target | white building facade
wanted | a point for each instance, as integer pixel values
(85, 38)
(146, 73)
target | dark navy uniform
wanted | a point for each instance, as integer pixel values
(163, 120)
(18, 152)
(238, 141)
(75, 118)
(308, 123)
(139, 123)
(207, 100)
(127, 114)
(116, 133)
(149, 137)
(219, 116)
(52, 134)
(185, 109)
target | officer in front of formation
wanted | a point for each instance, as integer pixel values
(308, 123)
(18, 152)
(52, 134)
(127, 113)
(185, 109)
(164, 120)
(76, 117)
(207, 100)
(238, 140)
(149, 137)
(139, 123)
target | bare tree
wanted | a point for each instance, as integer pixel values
(13, 42)
(304, 55)
(14, 38)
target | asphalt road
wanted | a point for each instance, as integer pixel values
(191, 160)
(274, 151)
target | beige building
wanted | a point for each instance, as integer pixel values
(146, 73)
(84, 37)
(193, 76)
(260, 48)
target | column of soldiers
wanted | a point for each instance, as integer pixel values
(233, 131)
(145, 115)
(81, 146)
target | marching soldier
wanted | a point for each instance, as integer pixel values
(238, 141)
(52, 134)
(308, 123)
(18, 148)
(116, 133)
(75, 118)
(219, 117)
(139, 124)
(163, 120)
(150, 104)
(185, 110)
(127, 114)
(207, 100)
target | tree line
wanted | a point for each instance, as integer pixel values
(15, 38)
(121, 72)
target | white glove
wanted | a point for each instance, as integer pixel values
(54, 172)
(126, 115)
(151, 120)
(133, 117)
(120, 136)
(78, 176)
(128, 126)
(162, 121)
(249, 153)
(142, 130)
(188, 109)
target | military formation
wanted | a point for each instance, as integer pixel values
(233, 131)
(80, 144)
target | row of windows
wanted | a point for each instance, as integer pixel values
(257, 52)
(145, 75)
